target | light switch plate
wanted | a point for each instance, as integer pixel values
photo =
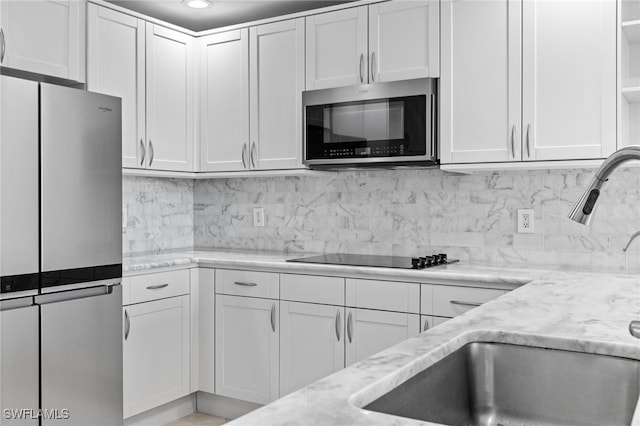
(525, 221)
(258, 217)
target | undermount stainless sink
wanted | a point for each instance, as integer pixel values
(503, 384)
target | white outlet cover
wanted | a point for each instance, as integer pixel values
(525, 221)
(258, 217)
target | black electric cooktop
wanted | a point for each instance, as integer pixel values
(378, 261)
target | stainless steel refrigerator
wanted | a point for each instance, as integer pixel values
(60, 255)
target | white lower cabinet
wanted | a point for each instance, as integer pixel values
(156, 353)
(369, 332)
(311, 343)
(247, 348)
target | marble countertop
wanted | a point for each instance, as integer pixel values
(569, 310)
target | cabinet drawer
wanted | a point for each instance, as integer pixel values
(383, 295)
(450, 301)
(312, 289)
(143, 288)
(247, 283)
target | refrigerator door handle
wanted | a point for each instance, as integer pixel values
(64, 296)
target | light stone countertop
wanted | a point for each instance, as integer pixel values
(578, 311)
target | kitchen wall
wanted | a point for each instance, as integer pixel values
(410, 212)
(159, 214)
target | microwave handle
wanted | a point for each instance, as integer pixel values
(433, 126)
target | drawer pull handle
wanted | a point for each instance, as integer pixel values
(338, 325)
(157, 287)
(459, 302)
(245, 284)
(273, 317)
(350, 327)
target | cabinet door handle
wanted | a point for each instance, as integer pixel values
(273, 317)
(373, 66)
(513, 146)
(127, 325)
(144, 151)
(253, 153)
(361, 64)
(350, 327)
(157, 287)
(246, 284)
(244, 155)
(459, 302)
(338, 325)
(4, 45)
(425, 327)
(528, 143)
(151, 153)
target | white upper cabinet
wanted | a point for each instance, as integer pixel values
(116, 67)
(169, 99)
(569, 79)
(337, 53)
(151, 68)
(527, 81)
(276, 85)
(44, 37)
(404, 39)
(224, 101)
(382, 42)
(480, 84)
(251, 111)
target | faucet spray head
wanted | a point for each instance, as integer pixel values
(583, 209)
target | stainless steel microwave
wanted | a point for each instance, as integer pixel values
(380, 124)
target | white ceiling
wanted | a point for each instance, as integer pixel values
(223, 13)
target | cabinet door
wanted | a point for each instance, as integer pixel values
(116, 67)
(224, 121)
(404, 40)
(480, 84)
(336, 53)
(311, 344)
(369, 332)
(247, 348)
(156, 353)
(277, 82)
(569, 79)
(169, 99)
(45, 37)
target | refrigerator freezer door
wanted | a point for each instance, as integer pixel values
(81, 179)
(18, 177)
(81, 347)
(18, 362)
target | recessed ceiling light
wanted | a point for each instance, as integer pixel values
(198, 4)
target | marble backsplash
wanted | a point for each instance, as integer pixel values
(159, 214)
(410, 212)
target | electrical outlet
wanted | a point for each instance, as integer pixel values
(258, 217)
(525, 221)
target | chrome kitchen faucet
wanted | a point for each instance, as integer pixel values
(583, 209)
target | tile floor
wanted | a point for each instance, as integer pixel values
(199, 419)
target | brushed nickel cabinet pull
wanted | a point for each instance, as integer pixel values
(127, 325)
(151, 153)
(253, 153)
(528, 142)
(4, 45)
(350, 327)
(426, 325)
(338, 325)
(373, 66)
(273, 317)
(513, 146)
(459, 302)
(246, 284)
(157, 287)
(244, 154)
(144, 151)
(361, 63)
